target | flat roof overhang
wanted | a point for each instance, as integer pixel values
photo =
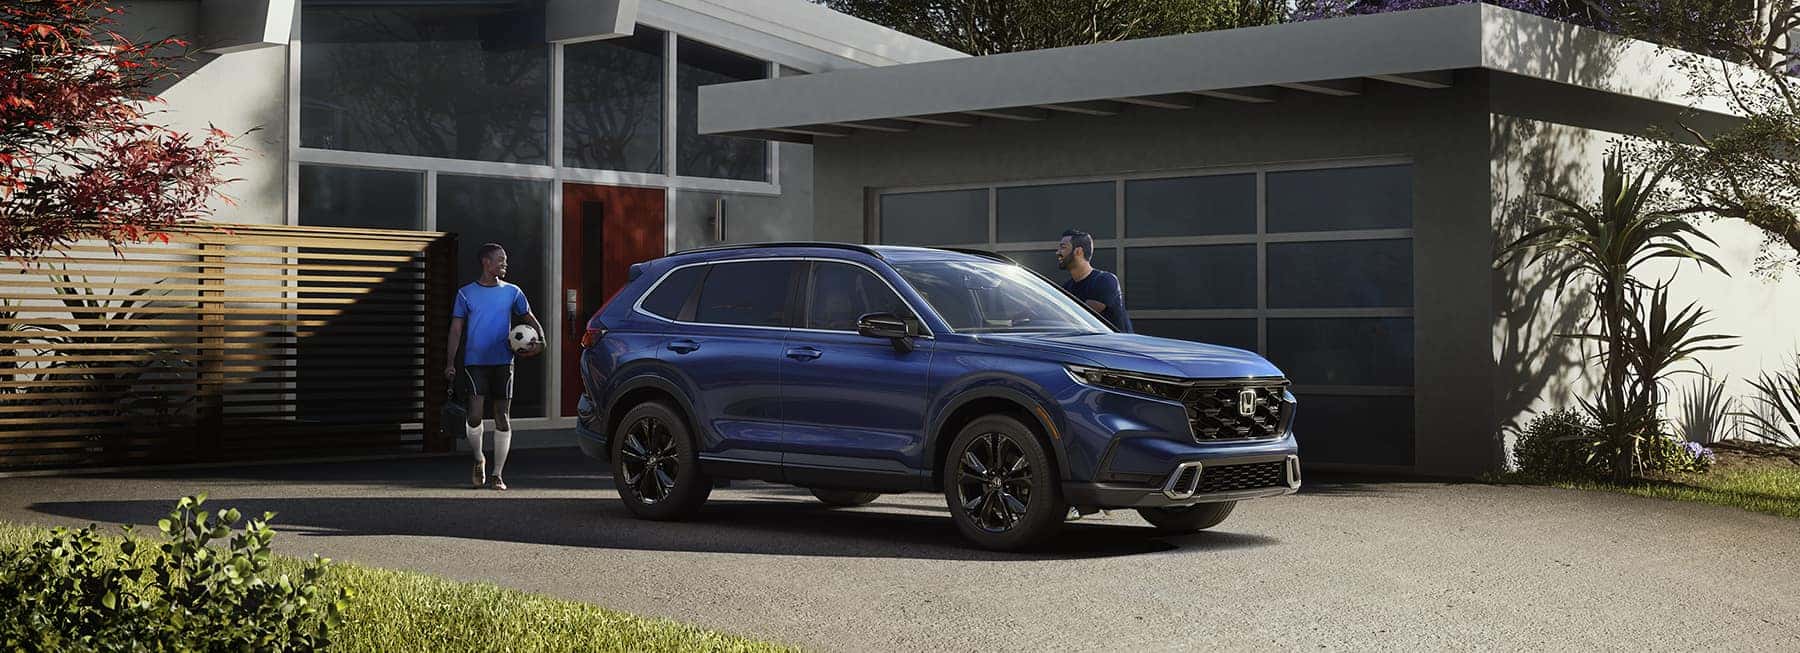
(1258, 65)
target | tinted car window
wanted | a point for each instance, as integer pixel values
(996, 297)
(842, 293)
(672, 294)
(753, 293)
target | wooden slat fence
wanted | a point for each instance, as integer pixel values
(229, 342)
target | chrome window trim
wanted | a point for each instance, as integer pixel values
(638, 306)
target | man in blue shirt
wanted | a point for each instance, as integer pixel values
(488, 307)
(1098, 288)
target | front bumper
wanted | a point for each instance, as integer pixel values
(1235, 478)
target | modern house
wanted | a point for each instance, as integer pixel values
(1330, 194)
(564, 129)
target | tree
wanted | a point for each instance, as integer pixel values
(1603, 246)
(981, 27)
(79, 154)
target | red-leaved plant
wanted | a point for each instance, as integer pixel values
(80, 154)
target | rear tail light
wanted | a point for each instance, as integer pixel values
(592, 336)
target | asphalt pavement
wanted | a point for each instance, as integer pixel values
(1342, 566)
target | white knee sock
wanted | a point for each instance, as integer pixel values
(502, 444)
(474, 435)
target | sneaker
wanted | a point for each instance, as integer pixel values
(499, 483)
(479, 476)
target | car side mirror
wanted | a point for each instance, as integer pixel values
(901, 330)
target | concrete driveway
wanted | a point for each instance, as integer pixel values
(1340, 566)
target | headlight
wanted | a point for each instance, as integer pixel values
(1155, 386)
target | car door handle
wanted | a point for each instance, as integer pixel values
(804, 353)
(683, 346)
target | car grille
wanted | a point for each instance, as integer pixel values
(1228, 478)
(1213, 413)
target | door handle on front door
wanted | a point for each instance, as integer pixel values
(683, 346)
(804, 353)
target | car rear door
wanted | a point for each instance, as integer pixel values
(853, 407)
(727, 347)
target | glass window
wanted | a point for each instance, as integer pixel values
(723, 157)
(1044, 261)
(1343, 350)
(672, 293)
(1209, 276)
(1361, 430)
(461, 83)
(955, 217)
(613, 103)
(1240, 333)
(840, 294)
(1042, 213)
(360, 197)
(1340, 198)
(991, 297)
(752, 293)
(1190, 206)
(512, 213)
(1350, 273)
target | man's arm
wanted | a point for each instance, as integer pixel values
(456, 330)
(532, 318)
(1096, 306)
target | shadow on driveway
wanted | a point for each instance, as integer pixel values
(751, 518)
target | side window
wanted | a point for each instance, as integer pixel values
(673, 292)
(841, 293)
(753, 293)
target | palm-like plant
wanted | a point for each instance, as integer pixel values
(1604, 246)
(1775, 417)
(1705, 409)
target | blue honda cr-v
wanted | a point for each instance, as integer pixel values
(855, 371)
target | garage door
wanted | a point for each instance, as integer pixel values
(1309, 266)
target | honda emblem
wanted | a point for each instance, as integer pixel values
(1247, 402)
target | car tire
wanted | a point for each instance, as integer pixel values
(653, 438)
(1188, 519)
(1011, 470)
(844, 498)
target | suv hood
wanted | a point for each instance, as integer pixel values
(1144, 354)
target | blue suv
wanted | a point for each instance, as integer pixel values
(859, 370)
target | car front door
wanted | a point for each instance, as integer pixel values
(853, 407)
(728, 348)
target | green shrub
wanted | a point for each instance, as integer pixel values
(1564, 445)
(1558, 445)
(178, 592)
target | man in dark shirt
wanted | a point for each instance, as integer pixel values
(1098, 288)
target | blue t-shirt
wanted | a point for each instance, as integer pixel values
(487, 312)
(1103, 287)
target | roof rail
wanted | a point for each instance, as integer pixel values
(981, 253)
(865, 249)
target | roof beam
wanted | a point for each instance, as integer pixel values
(942, 120)
(1332, 87)
(1433, 79)
(1170, 101)
(890, 126)
(816, 130)
(771, 135)
(1094, 108)
(1026, 114)
(1253, 94)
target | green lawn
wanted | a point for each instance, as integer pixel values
(1772, 490)
(404, 611)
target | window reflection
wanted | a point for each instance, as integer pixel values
(613, 103)
(698, 64)
(464, 83)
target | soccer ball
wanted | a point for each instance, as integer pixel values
(524, 338)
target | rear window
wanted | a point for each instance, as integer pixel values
(752, 293)
(672, 294)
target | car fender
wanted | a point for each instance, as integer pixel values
(1046, 413)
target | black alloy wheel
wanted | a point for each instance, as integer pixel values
(654, 465)
(1003, 489)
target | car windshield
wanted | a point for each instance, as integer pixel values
(995, 297)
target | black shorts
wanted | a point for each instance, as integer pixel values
(491, 382)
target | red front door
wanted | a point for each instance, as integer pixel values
(605, 230)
